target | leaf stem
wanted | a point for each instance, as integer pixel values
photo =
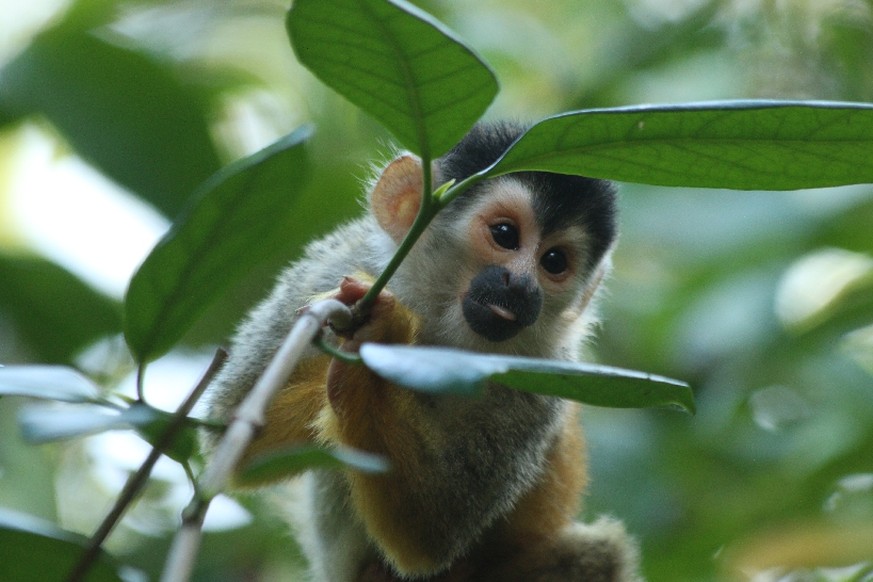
(426, 212)
(140, 382)
(461, 187)
(336, 353)
(431, 204)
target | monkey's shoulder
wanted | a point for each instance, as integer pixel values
(356, 247)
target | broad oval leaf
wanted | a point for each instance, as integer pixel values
(398, 64)
(294, 460)
(48, 383)
(210, 245)
(44, 423)
(449, 370)
(743, 145)
(37, 550)
(120, 109)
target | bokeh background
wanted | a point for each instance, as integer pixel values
(112, 112)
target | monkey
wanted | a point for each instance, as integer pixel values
(479, 488)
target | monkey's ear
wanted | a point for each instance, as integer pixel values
(396, 197)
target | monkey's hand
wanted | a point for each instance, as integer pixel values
(387, 322)
(384, 322)
(300, 412)
(366, 412)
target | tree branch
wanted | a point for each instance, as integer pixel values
(136, 481)
(247, 421)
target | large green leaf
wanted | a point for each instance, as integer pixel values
(744, 145)
(449, 370)
(124, 112)
(396, 63)
(243, 207)
(35, 550)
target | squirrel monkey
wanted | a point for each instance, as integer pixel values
(480, 488)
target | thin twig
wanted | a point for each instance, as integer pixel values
(136, 481)
(183, 552)
(336, 353)
(249, 418)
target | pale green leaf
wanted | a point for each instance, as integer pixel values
(448, 370)
(48, 383)
(44, 423)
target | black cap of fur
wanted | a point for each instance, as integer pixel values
(560, 200)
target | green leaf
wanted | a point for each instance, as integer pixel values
(47, 382)
(184, 445)
(449, 370)
(398, 64)
(54, 330)
(744, 145)
(293, 460)
(35, 550)
(210, 245)
(43, 424)
(122, 111)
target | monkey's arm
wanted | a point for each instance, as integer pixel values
(364, 411)
(290, 417)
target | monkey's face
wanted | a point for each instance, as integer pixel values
(518, 276)
(510, 265)
(499, 303)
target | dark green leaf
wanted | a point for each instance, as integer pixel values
(210, 246)
(122, 111)
(396, 63)
(184, 445)
(42, 424)
(47, 382)
(745, 145)
(293, 460)
(448, 370)
(7, 117)
(53, 329)
(35, 550)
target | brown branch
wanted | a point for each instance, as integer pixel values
(136, 481)
(247, 420)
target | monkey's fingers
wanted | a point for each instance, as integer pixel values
(351, 290)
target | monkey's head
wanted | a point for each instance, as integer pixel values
(510, 265)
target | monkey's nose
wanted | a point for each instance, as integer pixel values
(502, 312)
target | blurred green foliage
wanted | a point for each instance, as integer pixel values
(762, 300)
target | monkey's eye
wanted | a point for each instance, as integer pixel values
(554, 261)
(506, 235)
